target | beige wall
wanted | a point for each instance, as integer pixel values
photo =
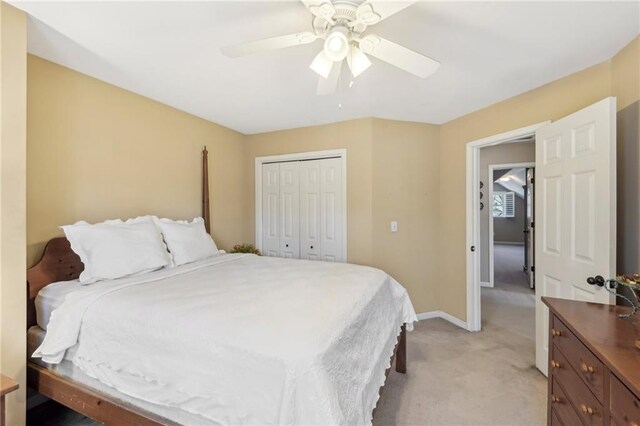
(625, 74)
(617, 77)
(625, 85)
(97, 152)
(392, 171)
(523, 152)
(405, 188)
(13, 117)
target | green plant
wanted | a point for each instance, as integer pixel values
(245, 248)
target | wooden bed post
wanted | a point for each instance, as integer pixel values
(401, 352)
(205, 190)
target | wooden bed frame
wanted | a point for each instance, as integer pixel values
(60, 263)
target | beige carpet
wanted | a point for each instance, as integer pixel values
(487, 378)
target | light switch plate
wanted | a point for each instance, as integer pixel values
(394, 226)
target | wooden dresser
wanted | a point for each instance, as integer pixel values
(594, 366)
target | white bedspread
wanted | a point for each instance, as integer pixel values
(239, 339)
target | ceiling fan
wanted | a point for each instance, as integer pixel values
(341, 24)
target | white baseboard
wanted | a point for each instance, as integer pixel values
(485, 284)
(445, 316)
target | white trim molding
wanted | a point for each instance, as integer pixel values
(445, 316)
(299, 156)
(474, 322)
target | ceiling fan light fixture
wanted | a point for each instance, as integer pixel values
(336, 46)
(321, 65)
(358, 62)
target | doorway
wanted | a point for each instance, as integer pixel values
(510, 189)
(474, 256)
(509, 301)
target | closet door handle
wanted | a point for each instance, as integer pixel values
(287, 245)
(312, 247)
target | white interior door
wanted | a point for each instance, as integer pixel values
(331, 209)
(271, 209)
(290, 210)
(575, 210)
(310, 210)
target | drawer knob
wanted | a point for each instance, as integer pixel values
(586, 409)
(555, 399)
(555, 333)
(586, 368)
(555, 364)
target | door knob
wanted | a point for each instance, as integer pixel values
(473, 248)
(597, 280)
(312, 247)
(287, 245)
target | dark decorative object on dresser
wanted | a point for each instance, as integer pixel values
(594, 366)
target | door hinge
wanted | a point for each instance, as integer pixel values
(532, 181)
(533, 269)
(532, 225)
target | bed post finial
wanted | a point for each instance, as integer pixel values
(205, 190)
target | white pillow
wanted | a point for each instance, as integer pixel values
(187, 241)
(116, 249)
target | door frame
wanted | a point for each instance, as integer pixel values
(474, 322)
(299, 156)
(492, 167)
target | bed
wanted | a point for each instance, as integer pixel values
(232, 339)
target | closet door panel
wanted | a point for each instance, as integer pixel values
(290, 210)
(271, 209)
(310, 229)
(331, 210)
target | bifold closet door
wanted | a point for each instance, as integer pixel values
(331, 210)
(321, 210)
(270, 209)
(290, 210)
(310, 210)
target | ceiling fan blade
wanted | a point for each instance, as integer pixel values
(373, 11)
(328, 86)
(399, 56)
(272, 43)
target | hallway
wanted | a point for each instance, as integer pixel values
(511, 303)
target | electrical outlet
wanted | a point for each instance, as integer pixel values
(394, 226)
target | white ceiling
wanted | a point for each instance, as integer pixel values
(170, 52)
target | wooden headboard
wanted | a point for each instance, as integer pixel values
(60, 263)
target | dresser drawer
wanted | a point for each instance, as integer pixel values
(625, 407)
(588, 367)
(561, 408)
(585, 404)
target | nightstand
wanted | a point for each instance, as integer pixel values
(7, 385)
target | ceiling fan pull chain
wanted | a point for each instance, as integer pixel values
(340, 90)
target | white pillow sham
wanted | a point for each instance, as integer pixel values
(187, 241)
(116, 249)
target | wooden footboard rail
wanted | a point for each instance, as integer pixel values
(111, 411)
(84, 400)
